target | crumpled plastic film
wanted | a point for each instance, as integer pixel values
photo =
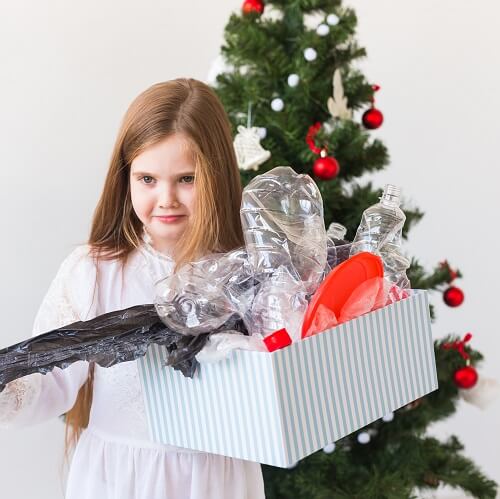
(219, 346)
(108, 339)
(202, 295)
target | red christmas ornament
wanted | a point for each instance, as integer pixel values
(373, 118)
(465, 377)
(453, 296)
(326, 168)
(256, 6)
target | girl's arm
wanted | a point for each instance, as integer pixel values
(72, 297)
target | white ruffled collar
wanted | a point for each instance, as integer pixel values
(147, 246)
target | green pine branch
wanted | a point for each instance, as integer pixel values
(263, 52)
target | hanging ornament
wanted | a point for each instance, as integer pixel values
(249, 152)
(373, 118)
(322, 30)
(262, 132)
(388, 417)
(310, 54)
(325, 167)
(453, 296)
(332, 19)
(293, 80)
(464, 377)
(252, 6)
(277, 104)
(483, 393)
(328, 449)
(337, 104)
(364, 437)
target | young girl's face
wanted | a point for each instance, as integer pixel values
(163, 191)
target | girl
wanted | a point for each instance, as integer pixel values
(171, 195)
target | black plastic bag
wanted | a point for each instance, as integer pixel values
(108, 339)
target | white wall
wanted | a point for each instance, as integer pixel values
(68, 72)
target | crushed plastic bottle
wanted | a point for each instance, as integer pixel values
(281, 302)
(380, 232)
(283, 225)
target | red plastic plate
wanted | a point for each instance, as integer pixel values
(341, 282)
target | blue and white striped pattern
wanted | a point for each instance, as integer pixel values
(277, 408)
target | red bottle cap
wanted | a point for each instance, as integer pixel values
(278, 339)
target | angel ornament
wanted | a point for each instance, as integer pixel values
(337, 104)
(249, 152)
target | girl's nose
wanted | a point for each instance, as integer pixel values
(168, 198)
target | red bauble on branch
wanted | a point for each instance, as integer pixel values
(453, 296)
(373, 118)
(465, 377)
(326, 168)
(256, 6)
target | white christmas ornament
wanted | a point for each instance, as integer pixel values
(363, 437)
(293, 80)
(277, 104)
(483, 393)
(328, 449)
(310, 54)
(337, 105)
(249, 153)
(332, 20)
(388, 417)
(262, 132)
(322, 30)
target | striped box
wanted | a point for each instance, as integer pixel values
(277, 408)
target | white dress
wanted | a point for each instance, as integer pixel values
(115, 457)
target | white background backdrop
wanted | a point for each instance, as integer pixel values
(70, 69)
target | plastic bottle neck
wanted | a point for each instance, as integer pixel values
(393, 203)
(391, 196)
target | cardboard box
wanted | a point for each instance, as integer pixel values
(277, 408)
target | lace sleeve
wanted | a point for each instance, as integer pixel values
(71, 297)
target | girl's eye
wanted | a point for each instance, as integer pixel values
(147, 179)
(190, 179)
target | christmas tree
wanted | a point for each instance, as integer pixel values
(291, 89)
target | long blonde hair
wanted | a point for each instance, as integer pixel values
(184, 106)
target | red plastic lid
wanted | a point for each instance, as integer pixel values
(341, 282)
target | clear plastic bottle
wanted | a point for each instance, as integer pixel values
(380, 232)
(337, 247)
(283, 225)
